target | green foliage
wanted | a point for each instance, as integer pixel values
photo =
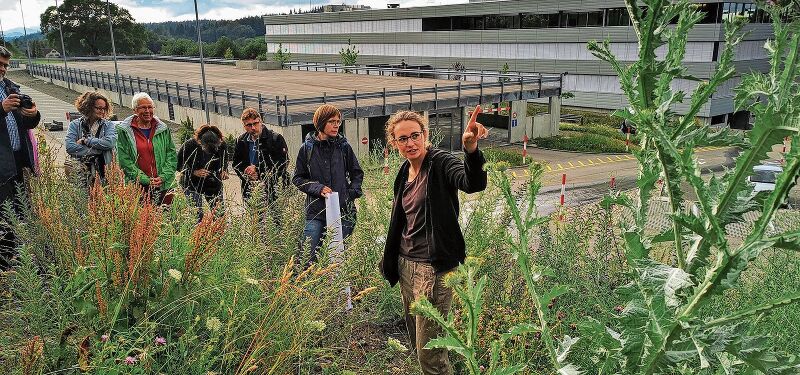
(349, 55)
(504, 70)
(254, 48)
(470, 292)
(86, 28)
(211, 30)
(512, 157)
(281, 55)
(662, 328)
(186, 130)
(222, 47)
(180, 47)
(596, 129)
(583, 141)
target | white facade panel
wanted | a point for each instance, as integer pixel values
(357, 27)
(695, 52)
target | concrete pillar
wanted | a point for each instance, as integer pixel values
(555, 114)
(356, 130)
(517, 120)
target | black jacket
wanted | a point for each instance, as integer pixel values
(191, 157)
(446, 175)
(8, 163)
(271, 154)
(332, 163)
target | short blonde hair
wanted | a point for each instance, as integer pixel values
(404, 115)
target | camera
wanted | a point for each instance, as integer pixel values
(25, 101)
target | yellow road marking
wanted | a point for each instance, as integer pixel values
(629, 157)
(601, 161)
(581, 163)
(590, 161)
(527, 173)
(619, 158)
(549, 169)
(560, 167)
(609, 159)
(514, 174)
(571, 165)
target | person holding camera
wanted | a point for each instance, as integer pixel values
(18, 114)
(203, 164)
(90, 139)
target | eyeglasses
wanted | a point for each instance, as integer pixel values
(101, 109)
(334, 122)
(415, 136)
(252, 124)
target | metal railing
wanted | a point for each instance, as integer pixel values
(14, 64)
(283, 111)
(388, 70)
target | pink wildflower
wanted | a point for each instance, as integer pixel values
(104, 338)
(160, 340)
(130, 360)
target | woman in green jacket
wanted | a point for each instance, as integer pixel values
(145, 150)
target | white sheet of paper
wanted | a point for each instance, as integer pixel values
(333, 220)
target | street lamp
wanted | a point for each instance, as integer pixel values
(114, 53)
(27, 42)
(63, 50)
(2, 34)
(202, 64)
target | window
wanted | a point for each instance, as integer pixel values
(617, 17)
(534, 21)
(574, 20)
(436, 24)
(594, 18)
(495, 21)
(711, 11)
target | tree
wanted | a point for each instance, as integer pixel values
(281, 55)
(222, 46)
(180, 47)
(254, 47)
(85, 26)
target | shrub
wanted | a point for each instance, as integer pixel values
(511, 157)
(583, 142)
(185, 131)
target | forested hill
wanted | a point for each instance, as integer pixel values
(211, 30)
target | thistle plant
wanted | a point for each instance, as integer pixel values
(464, 341)
(663, 329)
(470, 291)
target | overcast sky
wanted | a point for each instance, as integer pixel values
(178, 10)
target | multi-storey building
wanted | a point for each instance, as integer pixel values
(546, 36)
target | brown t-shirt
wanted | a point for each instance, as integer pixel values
(414, 242)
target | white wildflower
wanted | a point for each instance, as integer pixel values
(175, 274)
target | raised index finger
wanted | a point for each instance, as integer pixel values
(474, 116)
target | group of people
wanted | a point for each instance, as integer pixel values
(424, 241)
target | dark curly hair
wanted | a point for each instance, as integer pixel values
(85, 103)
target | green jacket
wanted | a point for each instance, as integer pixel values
(163, 147)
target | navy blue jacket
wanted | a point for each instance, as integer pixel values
(332, 163)
(447, 174)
